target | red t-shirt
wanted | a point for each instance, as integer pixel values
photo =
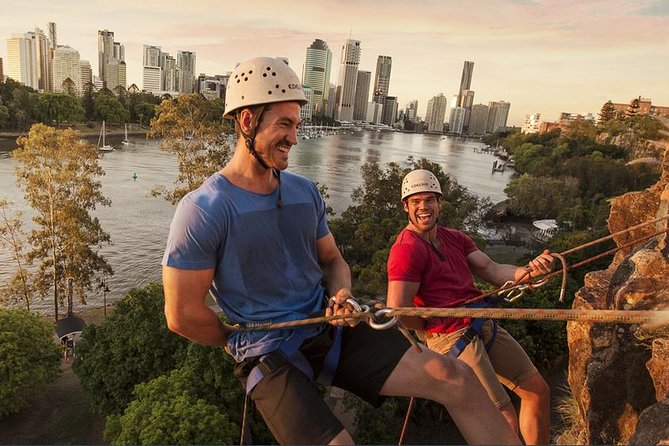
(443, 283)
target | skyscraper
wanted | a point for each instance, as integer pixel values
(111, 60)
(384, 65)
(21, 60)
(389, 114)
(316, 74)
(466, 94)
(478, 120)
(498, 112)
(361, 95)
(152, 71)
(186, 71)
(86, 73)
(412, 111)
(436, 111)
(53, 37)
(348, 76)
(66, 65)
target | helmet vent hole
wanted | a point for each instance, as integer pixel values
(242, 97)
(250, 71)
(269, 91)
(264, 75)
(238, 80)
(245, 79)
(276, 86)
(283, 91)
(273, 73)
(269, 68)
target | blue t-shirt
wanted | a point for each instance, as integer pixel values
(265, 256)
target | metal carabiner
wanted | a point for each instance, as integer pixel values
(382, 312)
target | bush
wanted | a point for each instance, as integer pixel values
(132, 346)
(29, 358)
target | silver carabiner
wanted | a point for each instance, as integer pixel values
(382, 312)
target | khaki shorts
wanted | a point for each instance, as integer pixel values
(505, 363)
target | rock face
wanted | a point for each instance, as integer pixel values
(617, 372)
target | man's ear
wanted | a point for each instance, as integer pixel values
(245, 119)
(405, 206)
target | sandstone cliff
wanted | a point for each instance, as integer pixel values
(619, 374)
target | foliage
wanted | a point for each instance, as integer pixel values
(18, 104)
(366, 229)
(30, 359)
(542, 197)
(166, 411)
(607, 113)
(57, 170)
(108, 108)
(12, 237)
(132, 346)
(193, 129)
(59, 108)
(205, 379)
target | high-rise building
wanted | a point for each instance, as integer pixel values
(43, 60)
(466, 79)
(316, 74)
(374, 113)
(384, 65)
(456, 121)
(152, 71)
(478, 120)
(66, 65)
(348, 76)
(21, 60)
(86, 73)
(467, 99)
(411, 113)
(330, 103)
(498, 112)
(436, 111)
(111, 60)
(53, 37)
(186, 71)
(305, 110)
(389, 115)
(361, 95)
(532, 123)
(170, 78)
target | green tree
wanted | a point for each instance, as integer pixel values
(29, 358)
(19, 288)
(165, 411)
(108, 108)
(193, 129)
(88, 101)
(57, 171)
(4, 117)
(607, 112)
(132, 346)
(540, 196)
(59, 108)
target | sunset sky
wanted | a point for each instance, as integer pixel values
(542, 56)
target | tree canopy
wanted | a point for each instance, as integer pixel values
(132, 346)
(59, 108)
(193, 129)
(57, 171)
(29, 358)
(12, 237)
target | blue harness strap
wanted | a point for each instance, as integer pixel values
(291, 350)
(474, 329)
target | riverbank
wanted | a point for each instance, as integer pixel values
(88, 131)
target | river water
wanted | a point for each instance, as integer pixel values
(138, 224)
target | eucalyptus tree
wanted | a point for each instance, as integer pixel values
(58, 173)
(192, 128)
(12, 237)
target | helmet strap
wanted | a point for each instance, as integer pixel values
(249, 138)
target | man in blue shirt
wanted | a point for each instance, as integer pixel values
(257, 237)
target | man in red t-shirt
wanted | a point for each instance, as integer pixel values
(432, 266)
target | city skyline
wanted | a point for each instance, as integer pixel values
(542, 56)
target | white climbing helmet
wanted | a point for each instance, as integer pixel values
(420, 180)
(262, 80)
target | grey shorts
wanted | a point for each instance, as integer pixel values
(291, 404)
(505, 363)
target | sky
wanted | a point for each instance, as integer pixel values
(542, 56)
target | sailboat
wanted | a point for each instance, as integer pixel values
(103, 135)
(125, 142)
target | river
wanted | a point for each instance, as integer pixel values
(138, 224)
